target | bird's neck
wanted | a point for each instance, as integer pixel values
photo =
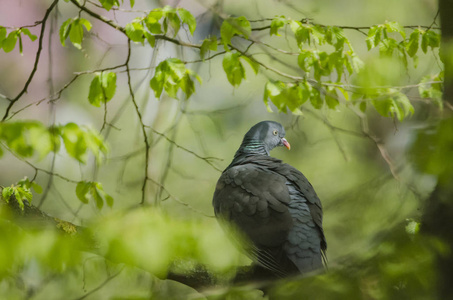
(252, 147)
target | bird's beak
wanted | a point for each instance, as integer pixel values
(285, 143)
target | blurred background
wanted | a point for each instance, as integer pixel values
(358, 164)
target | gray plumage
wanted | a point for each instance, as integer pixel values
(272, 204)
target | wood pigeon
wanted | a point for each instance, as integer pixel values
(272, 205)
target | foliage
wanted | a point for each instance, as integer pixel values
(302, 68)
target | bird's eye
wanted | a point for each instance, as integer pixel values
(275, 132)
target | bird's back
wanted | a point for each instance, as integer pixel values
(276, 208)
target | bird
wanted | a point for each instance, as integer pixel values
(272, 205)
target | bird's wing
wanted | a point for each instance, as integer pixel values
(304, 196)
(256, 201)
(302, 184)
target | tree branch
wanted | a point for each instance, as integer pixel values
(35, 66)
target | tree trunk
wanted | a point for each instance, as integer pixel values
(438, 214)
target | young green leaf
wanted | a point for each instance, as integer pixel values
(7, 192)
(374, 36)
(2, 35)
(73, 28)
(102, 88)
(208, 44)
(96, 196)
(276, 24)
(287, 95)
(255, 66)
(395, 27)
(412, 45)
(233, 68)
(187, 18)
(172, 75)
(64, 31)
(152, 21)
(10, 42)
(82, 190)
(74, 141)
(27, 32)
(430, 39)
(234, 26)
(108, 4)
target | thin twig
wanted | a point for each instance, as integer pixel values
(142, 125)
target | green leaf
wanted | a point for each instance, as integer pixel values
(431, 39)
(233, 68)
(95, 143)
(172, 75)
(7, 192)
(108, 200)
(208, 44)
(10, 42)
(286, 95)
(373, 37)
(36, 187)
(76, 34)
(82, 190)
(108, 4)
(102, 88)
(305, 60)
(151, 39)
(74, 141)
(152, 21)
(412, 45)
(233, 26)
(64, 31)
(387, 46)
(255, 66)
(315, 98)
(276, 24)
(173, 19)
(395, 27)
(432, 90)
(403, 106)
(394, 104)
(85, 23)
(335, 36)
(27, 32)
(301, 32)
(2, 35)
(96, 196)
(188, 18)
(132, 2)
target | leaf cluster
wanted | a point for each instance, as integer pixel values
(94, 190)
(157, 22)
(9, 40)
(25, 138)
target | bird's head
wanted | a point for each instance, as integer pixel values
(269, 133)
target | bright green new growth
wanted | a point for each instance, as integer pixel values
(157, 22)
(172, 75)
(21, 192)
(73, 28)
(26, 138)
(7, 43)
(94, 190)
(102, 88)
